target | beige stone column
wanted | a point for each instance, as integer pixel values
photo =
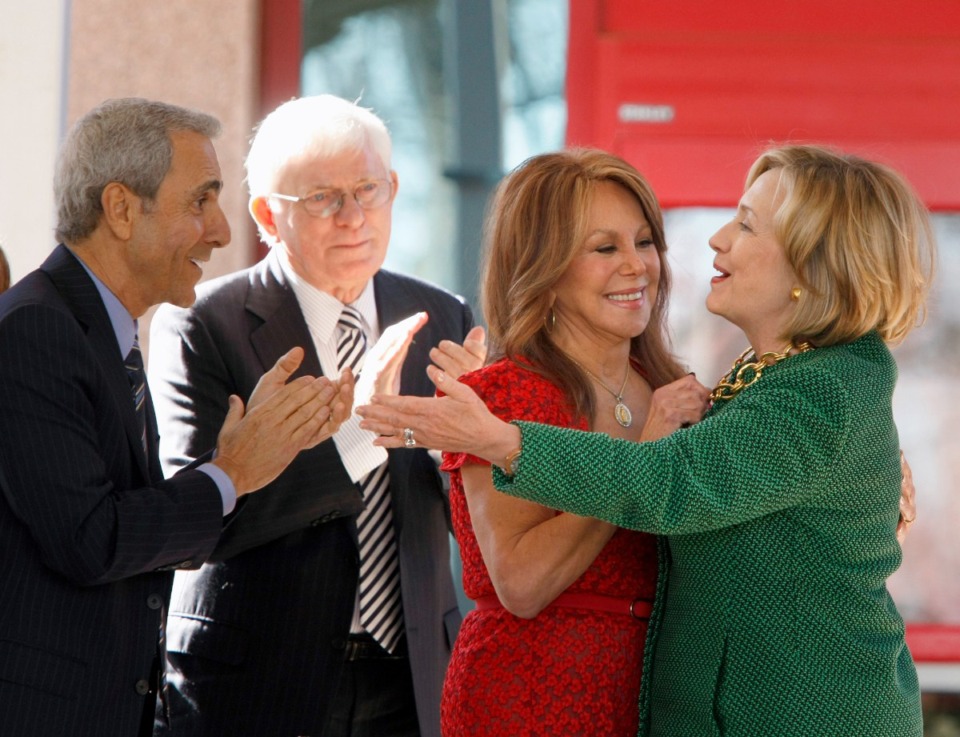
(203, 55)
(31, 59)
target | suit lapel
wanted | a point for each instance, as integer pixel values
(81, 296)
(390, 305)
(395, 303)
(272, 300)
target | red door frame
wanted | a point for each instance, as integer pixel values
(281, 51)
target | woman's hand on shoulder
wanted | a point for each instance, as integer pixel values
(679, 404)
(908, 500)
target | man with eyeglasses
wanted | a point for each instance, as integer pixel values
(329, 609)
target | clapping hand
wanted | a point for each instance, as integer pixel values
(282, 417)
(384, 361)
(455, 360)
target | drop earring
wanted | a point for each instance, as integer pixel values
(550, 320)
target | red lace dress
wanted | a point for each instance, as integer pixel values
(567, 671)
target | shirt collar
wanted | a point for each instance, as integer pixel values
(124, 325)
(322, 310)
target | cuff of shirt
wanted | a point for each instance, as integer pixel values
(227, 491)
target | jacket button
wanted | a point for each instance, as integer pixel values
(143, 687)
(154, 601)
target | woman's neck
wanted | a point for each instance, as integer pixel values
(606, 360)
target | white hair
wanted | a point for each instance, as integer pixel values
(319, 126)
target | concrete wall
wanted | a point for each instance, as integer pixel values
(59, 58)
(31, 60)
(201, 55)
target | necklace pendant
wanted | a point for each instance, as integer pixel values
(623, 414)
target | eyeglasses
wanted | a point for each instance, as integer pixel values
(324, 203)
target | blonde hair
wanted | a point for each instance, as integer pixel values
(858, 238)
(534, 228)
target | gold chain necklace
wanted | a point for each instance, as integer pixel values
(621, 412)
(744, 373)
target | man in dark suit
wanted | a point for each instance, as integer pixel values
(90, 531)
(270, 637)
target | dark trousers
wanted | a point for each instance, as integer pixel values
(374, 698)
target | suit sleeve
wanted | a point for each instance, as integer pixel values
(188, 379)
(768, 451)
(69, 473)
(196, 361)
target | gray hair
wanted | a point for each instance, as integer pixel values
(122, 140)
(319, 126)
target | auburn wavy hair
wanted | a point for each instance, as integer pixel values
(535, 226)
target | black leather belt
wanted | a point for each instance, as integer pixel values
(364, 647)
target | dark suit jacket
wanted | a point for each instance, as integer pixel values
(86, 520)
(253, 634)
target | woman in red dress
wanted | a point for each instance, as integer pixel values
(574, 295)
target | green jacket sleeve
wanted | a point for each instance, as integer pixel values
(768, 449)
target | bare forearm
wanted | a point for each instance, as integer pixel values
(534, 568)
(532, 553)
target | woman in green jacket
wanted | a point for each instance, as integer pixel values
(781, 505)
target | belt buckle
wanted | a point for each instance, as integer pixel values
(366, 648)
(641, 603)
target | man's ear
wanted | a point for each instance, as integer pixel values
(263, 215)
(121, 208)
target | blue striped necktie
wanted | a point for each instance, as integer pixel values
(133, 363)
(381, 610)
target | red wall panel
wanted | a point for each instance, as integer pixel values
(281, 33)
(691, 91)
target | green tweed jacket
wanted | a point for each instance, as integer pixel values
(780, 509)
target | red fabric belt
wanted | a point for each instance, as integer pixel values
(636, 608)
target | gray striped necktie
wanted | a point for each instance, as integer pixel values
(381, 611)
(133, 363)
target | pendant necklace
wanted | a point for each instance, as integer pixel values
(621, 412)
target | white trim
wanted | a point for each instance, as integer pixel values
(939, 677)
